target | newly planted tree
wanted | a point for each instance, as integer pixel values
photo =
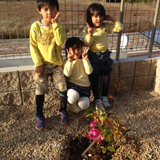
(105, 126)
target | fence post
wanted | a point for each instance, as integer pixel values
(120, 33)
(153, 29)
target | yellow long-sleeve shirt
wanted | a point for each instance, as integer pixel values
(77, 71)
(45, 44)
(98, 42)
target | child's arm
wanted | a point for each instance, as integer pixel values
(86, 62)
(68, 64)
(67, 70)
(117, 26)
(58, 31)
(34, 47)
(87, 35)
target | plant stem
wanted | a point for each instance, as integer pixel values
(88, 148)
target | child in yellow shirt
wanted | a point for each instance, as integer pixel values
(95, 37)
(46, 38)
(77, 67)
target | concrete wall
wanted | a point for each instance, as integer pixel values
(157, 78)
(18, 86)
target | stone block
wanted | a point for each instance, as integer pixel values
(158, 69)
(114, 72)
(28, 82)
(112, 88)
(10, 98)
(52, 96)
(157, 85)
(150, 82)
(126, 69)
(153, 67)
(9, 81)
(140, 83)
(27, 79)
(127, 83)
(143, 67)
(28, 96)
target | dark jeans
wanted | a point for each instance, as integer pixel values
(95, 84)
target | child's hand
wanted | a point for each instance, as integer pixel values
(69, 56)
(85, 53)
(90, 30)
(110, 18)
(39, 70)
(55, 19)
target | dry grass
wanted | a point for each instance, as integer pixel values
(17, 17)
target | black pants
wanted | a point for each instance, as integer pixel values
(95, 85)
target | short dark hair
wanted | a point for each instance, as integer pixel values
(95, 7)
(73, 42)
(41, 3)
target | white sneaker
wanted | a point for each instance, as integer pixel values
(74, 108)
(99, 103)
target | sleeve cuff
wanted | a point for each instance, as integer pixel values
(68, 63)
(86, 61)
(39, 64)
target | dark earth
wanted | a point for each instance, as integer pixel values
(78, 146)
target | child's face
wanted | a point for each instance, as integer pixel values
(97, 20)
(48, 12)
(76, 52)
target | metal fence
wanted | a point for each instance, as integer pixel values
(141, 25)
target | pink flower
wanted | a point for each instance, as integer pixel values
(95, 135)
(93, 123)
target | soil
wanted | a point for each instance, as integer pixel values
(78, 146)
(79, 143)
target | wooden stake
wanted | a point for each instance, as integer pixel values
(88, 148)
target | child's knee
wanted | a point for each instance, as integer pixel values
(72, 95)
(84, 103)
(41, 89)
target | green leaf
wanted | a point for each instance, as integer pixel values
(89, 111)
(111, 139)
(107, 140)
(95, 127)
(101, 112)
(111, 149)
(104, 150)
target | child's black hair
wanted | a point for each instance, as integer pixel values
(73, 42)
(95, 7)
(53, 3)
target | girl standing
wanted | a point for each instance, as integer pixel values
(95, 37)
(76, 69)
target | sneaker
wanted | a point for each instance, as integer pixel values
(40, 125)
(74, 108)
(105, 102)
(99, 103)
(64, 117)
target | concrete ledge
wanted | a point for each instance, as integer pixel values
(18, 86)
(157, 78)
(16, 62)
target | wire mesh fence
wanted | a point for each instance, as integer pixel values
(16, 17)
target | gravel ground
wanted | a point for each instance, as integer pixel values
(139, 111)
